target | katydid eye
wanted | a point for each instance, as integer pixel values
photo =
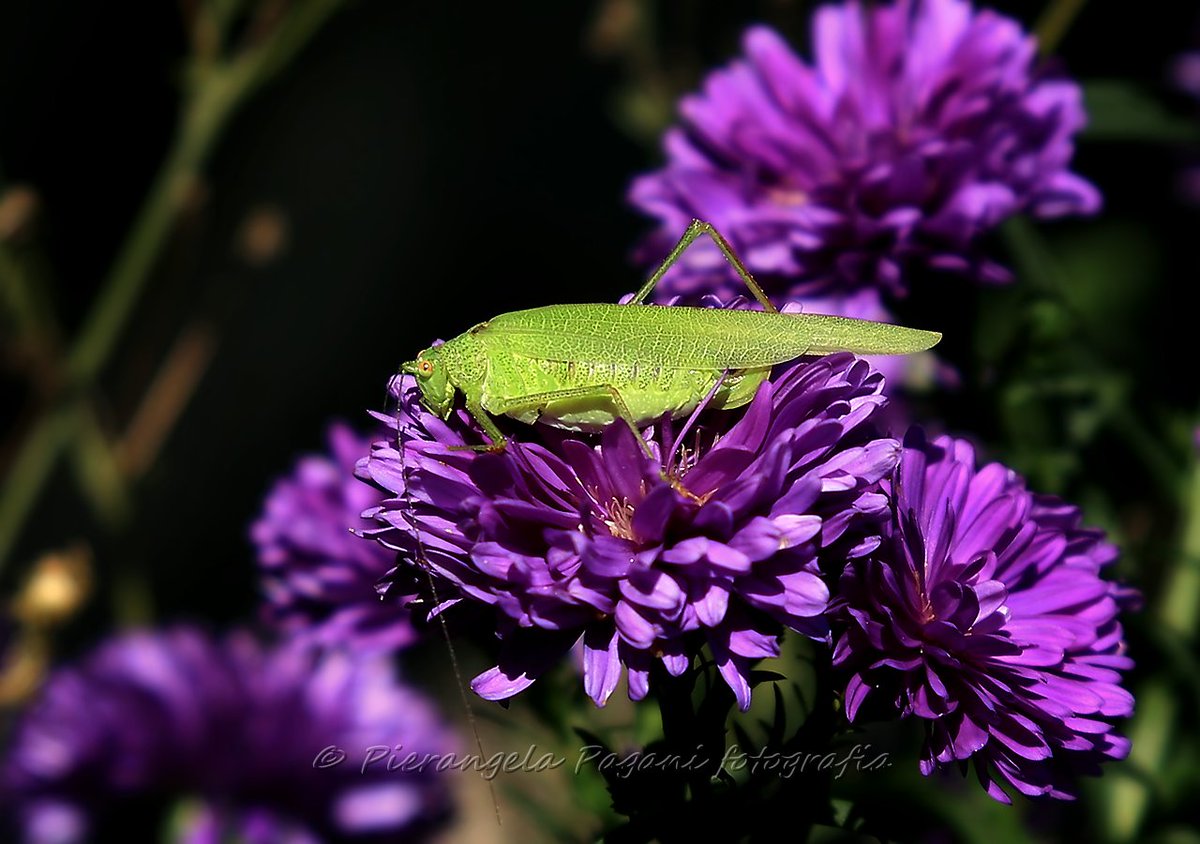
(425, 368)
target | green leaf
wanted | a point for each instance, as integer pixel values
(779, 723)
(1120, 111)
(743, 739)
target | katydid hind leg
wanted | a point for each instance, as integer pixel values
(694, 231)
(537, 400)
(691, 420)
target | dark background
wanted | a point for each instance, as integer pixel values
(432, 169)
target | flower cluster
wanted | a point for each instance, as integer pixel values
(984, 613)
(643, 558)
(919, 126)
(318, 576)
(216, 740)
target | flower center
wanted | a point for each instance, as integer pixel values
(927, 614)
(788, 197)
(677, 470)
(618, 517)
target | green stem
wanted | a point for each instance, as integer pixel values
(1131, 790)
(1038, 266)
(41, 448)
(674, 696)
(15, 291)
(97, 472)
(32, 466)
(1156, 460)
(1055, 22)
(1181, 597)
(216, 92)
(148, 235)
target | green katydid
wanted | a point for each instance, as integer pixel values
(582, 367)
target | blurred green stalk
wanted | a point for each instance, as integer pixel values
(16, 290)
(1054, 23)
(216, 88)
(1131, 788)
(1038, 267)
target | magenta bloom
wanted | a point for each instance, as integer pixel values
(568, 538)
(217, 740)
(318, 575)
(919, 126)
(984, 614)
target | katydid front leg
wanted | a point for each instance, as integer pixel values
(694, 230)
(498, 442)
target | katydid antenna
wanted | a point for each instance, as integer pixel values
(423, 563)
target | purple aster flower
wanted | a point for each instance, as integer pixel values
(222, 735)
(319, 576)
(919, 126)
(984, 613)
(571, 539)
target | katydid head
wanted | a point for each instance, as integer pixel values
(436, 390)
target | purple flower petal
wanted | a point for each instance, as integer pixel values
(601, 664)
(318, 570)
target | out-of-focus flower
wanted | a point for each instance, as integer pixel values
(57, 585)
(56, 588)
(1185, 74)
(984, 613)
(919, 126)
(318, 575)
(20, 206)
(24, 655)
(570, 539)
(194, 739)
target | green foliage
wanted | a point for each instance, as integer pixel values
(1120, 110)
